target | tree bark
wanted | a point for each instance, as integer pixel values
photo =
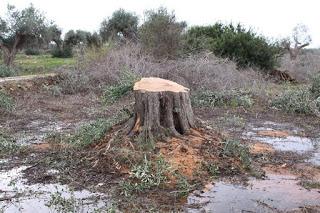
(162, 108)
(9, 52)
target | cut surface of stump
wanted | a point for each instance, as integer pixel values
(162, 108)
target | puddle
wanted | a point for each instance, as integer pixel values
(315, 158)
(17, 196)
(36, 131)
(284, 137)
(277, 193)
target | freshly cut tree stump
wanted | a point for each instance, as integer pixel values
(162, 108)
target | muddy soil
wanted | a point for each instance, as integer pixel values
(285, 147)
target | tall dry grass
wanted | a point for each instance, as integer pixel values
(198, 72)
(305, 67)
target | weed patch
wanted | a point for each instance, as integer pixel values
(310, 184)
(7, 144)
(294, 101)
(91, 133)
(145, 176)
(233, 148)
(315, 86)
(231, 98)
(6, 102)
(6, 71)
(123, 87)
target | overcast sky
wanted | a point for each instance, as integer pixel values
(273, 18)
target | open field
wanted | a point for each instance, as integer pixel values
(40, 64)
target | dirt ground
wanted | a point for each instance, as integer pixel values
(39, 113)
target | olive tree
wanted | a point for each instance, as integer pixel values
(122, 24)
(161, 33)
(17, 27)
(299, 39)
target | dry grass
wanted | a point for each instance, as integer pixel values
(305, 67)
(202, 71)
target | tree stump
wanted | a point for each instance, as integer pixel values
(162, 108)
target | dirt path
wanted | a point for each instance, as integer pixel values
(26, 77)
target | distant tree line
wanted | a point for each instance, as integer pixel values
(160, 35)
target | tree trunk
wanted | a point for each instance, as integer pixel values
(8, 58)
(162, 108)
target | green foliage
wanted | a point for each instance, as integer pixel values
(72, 38)
(315, 86)
(7, 144)
(296, 100)
(123, 87)
(20, 27)
(122, 24)
(234, 148)
(161, 33)
(308, 184)
(71, 83)
(6, 102)
(145, 176)
(6, 71)
(62, 204)
(91, 133)
(212, 169)
(94, 40)
(231, 98)
(65, 52)
(184, 187)
(32, 51)
(243, 46)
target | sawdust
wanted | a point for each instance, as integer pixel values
(261, 148)
(184, 153)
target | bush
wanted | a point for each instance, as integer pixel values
(315, 86)
(234, 148)
(6, 102)
(145, 176)
(7, 144)
(6, 71)
(91, 133)
(223, 98)
(65, 52)
(72, 83)
(32, 51)
(122, 88)
(297, 100)
(243, 46)
(161, 33)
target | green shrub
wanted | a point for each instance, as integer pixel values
(91, 133)
(65, 52)
(123, 87)
(145, 176)
(6, 102)
(6, 71)
(243, 46)
(161, 33)
(231, 98)
(32, 51)
(234, 148)
(71, 83)
(315, 86)
(294, 101)
(7, 144)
